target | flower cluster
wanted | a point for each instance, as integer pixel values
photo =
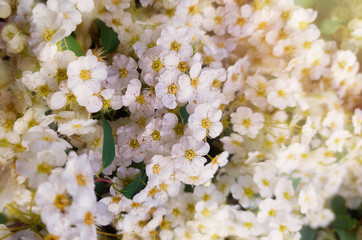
(228, 118)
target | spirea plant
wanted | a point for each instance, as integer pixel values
(178, 119)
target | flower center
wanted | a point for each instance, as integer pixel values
(156, 169)
(190, 154)
(85, 75)
(44, 90)
(246, 122)
(140, 99)
(157, 65)
(81, 179)
(61, 74)
(123, 72)
(156, 135)
(88, 218)
(175, 46)
(195, 82)
(48, 34)
(205, 123)
(172, 89)
(61, 201)
(240, 21)
(182, 66)
(134, 143)
(44, 168)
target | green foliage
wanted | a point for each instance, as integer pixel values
(338, 205)
(330, 26)
(305, 3)
(3, 218)
(344, 235)
(183, 115)
(101, 188)
(109, 38)
(108, 152)
(69, 43)
(135, 186)
(344, 222)
(295, 182)
(308, 233)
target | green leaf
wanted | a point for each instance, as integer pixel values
(340, 155)
(135, 186)
(330, 26)
(305, 3)
(69, 43)
(183, 115)
(338, 205)
(100, 188)
(109, 38)
(3, 218)
(344, 222)
(344, 235)
(108, 152)
(295, 182)
(308, 233)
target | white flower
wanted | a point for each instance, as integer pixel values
(78, 176)
(188, 153)
(245, 122)
(173, 88)
(85, 76)
(77, 126)
(205, 121)
(308, 199)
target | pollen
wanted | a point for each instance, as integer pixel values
(134, 143)
(205, 123)
(85, 75)
(272, 213)
(218, 19)
(240, 21)
(156, 135)
(175, 46)
(176, 211)
(205, 212)
(135, 205)
(307, 44)
(248, 225)
(44, 90)
(44, 168)
(246, 122)
(81, 179)
(182, 66)
(116, 199)
(170, 12)
(89, 218)
(302, 25)
(282, 93)
(156, 169)
(157, 65)
(248, 192)
(77, 126)
(61, 201)
(193, 10)
(61, 74)
(123, 73)
(140, 99)
(48, 34)
(285, 15)
(195, 82)
(190, 154)
(172, 89)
